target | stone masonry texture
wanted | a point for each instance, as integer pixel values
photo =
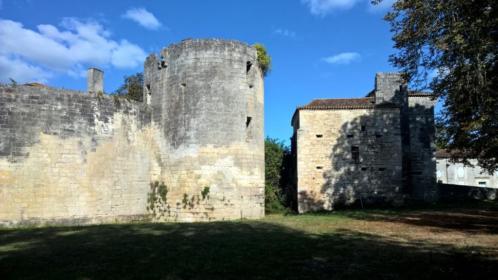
(377, 149)
(192, 151)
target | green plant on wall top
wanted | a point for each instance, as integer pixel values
(264, 60)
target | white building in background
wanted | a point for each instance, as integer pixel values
(459, 174)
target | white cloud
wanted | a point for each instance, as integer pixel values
(324, 7)
(143, 17)
(343, 58)
(77, 45)
(20, 71)
(285, 32)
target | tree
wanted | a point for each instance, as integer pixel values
(276, 175)
(450, 47)
(132, 87)
(264, 60)
(441, 132)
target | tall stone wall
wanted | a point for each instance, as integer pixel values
(192, 151)
(328, 176)
(66, 157)
(422, 148)
(207, 97)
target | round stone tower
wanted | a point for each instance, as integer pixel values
(206, 98)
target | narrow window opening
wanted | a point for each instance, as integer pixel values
(364, 169)
(319, 167)
(162, 63)
(382, 168)
(248, 121)
(378, 135)
(149, 94)
(482, 183)
(183, 84)
(251, 86)
(363, 128)
(248, 66)
(350, 135)
(355, 154)
(319, 135)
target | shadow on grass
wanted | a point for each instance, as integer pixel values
(226, 250)
(469, 217)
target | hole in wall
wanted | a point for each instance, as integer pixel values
(363, 128)
(183, 84)
(382, 168)
(378, 135)
(149, 94)
(350, 135)
(319, 167)
(319, 135)
(248, 121)
(248, 66)
(355, 154)
(251, 86)
(162, 63)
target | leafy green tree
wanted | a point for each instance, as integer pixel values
(264, 59)
(132, 88)
(276, 166)
(451, 47)
(441, 132)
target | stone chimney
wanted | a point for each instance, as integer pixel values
(390, 88)
(95, 81)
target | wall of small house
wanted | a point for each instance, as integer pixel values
(327, 175)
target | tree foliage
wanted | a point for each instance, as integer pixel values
(264, 59)
(132, 88)
(451, 48)
(277, 175)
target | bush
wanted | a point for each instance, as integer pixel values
(277, 176)
(264, 60)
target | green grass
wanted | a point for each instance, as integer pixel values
(343, 245)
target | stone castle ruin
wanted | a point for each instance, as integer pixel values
(377, 149)
(192, 151)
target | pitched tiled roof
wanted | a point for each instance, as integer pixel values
(346, 103)
(420, 94)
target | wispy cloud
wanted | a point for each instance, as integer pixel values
(143, 17)
(343, 58)
(284, 32)
(324, 7)
(38, 54)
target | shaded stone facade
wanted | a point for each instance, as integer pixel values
(377, 149)
(192, 151)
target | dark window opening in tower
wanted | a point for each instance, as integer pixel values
(248, 66)
(248, 121)
(183, 84)
(148, 97)
(355, 154)
(163, 62)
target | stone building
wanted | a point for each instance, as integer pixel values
(193, 150)
(376, 149)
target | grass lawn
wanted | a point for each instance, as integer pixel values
(450, 242)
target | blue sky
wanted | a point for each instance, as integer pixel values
(320, 48)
